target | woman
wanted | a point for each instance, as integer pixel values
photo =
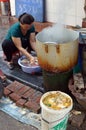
(20, 36)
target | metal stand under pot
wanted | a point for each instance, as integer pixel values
(57, 81)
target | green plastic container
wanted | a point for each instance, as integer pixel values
(57, 81)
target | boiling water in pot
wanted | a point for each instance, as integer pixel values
(57, 34)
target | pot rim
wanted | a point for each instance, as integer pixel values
(55, 43)
(41, 37)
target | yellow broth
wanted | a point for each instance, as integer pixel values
(57, 101)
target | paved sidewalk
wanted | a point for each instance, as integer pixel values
(9, 123)
(6, 121)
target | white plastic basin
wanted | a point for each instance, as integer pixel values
(29, 69)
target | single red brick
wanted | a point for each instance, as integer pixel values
(37, 99)
(14, 86)
(28, 104)
(36, 96)
(21, 102)
(6, 92)
(22, 90)
(37, 93)
(28, 94)
(32, 106)
(31, 96)
(14, 96)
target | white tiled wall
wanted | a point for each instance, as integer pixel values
(65, 11)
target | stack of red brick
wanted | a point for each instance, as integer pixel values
(24, 96)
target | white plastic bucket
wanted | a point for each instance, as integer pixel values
(54, 119)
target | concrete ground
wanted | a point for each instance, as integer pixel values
(9, 123)
(6, 121)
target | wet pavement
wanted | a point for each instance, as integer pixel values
(35, 81)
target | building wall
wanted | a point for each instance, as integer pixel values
(12, 7)
(65, 11)
(61, 11)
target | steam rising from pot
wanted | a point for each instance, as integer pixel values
(57, 34)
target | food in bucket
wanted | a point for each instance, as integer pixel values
(57, 101)
(26, 62)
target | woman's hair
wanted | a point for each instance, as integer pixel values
(26, 18)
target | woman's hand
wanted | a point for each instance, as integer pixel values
(18, 44)
(32, 60)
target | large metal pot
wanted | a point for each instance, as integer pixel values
(57, 49)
